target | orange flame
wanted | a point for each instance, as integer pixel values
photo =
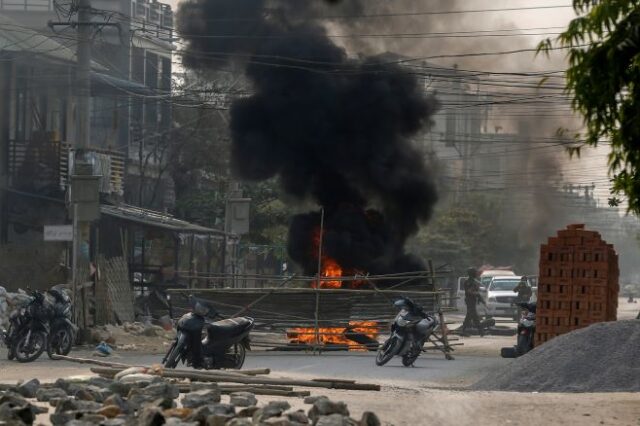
(334, 335)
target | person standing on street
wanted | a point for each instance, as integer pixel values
(524, 290)
(471, 298)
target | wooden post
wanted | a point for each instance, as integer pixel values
(318, 282)
(443, 324)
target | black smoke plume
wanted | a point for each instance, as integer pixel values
(331, 128)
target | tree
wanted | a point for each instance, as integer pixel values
(604, 79)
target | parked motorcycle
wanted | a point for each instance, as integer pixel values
(526, 332)
(62, 329)
(409, 332)
(225, 343)
(28, 331)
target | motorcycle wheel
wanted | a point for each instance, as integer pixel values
(172, 356)
(60, 342)
(387, 351)
(239, 353)
(30, 352)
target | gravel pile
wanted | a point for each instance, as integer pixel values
(604, 357)
(143, 402)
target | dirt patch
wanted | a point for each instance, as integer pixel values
(600, 358)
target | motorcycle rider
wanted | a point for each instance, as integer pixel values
(524, 290)
(472, 298)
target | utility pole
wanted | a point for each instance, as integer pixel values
(84, 193)
(85, 29)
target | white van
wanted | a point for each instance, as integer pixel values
(485, 278)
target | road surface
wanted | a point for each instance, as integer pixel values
(428, 394)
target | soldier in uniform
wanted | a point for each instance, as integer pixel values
(524, 290)
(471, 298)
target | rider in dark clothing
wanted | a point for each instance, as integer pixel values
(471, 298)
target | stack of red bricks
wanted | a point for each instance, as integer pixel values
(578, 283)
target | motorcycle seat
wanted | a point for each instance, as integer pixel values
(228, 327)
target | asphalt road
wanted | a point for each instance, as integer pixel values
(429, 370)
(428, 394)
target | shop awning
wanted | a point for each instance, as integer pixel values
(156, 219)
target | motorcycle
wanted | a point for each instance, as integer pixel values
(28, 331)
(225, 343)
(63, 330)
(409, 332)
(526, 332)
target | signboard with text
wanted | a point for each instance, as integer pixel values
(58, 233)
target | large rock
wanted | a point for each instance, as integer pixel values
(29, 388)
(120, 388)
(150, 416)
(200, 398)
(335, 420)
(110, 411)
(272, 409)
(69, 404)
(326, 407)
(240, 421)
(44, 395)
(243, 399)
(249, 411)
(201, 414)
(278, 421)
(298, 417)
(158, 394)
(218, 420)
(162, 390)
(119, 402)
(99, 382)
(369, 419)
(16, 414)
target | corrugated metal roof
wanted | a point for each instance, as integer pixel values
(15, 37)
(156, 219)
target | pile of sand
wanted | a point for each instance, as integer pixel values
(604, 357)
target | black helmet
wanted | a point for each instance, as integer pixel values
(472, 272)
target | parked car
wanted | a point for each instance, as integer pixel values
(500, 296)
(485, 278)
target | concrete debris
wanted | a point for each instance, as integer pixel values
(600, 358)
(200, 398)
(243, 399)
(29, 388)
(113, 403)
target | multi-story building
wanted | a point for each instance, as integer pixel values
(131, 83)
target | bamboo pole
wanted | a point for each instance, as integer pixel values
(259, 299)
(115, 367)
(317, 308)
(274, 290)
(254, 380)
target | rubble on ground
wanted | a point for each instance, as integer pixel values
(600, 358)
(158, 401)
(133, 337)
(10, 302)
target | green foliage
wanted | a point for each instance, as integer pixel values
(473, 233)
(269, 215)
(604, 79)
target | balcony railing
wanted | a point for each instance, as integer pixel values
(43, 165)
(28, 5)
